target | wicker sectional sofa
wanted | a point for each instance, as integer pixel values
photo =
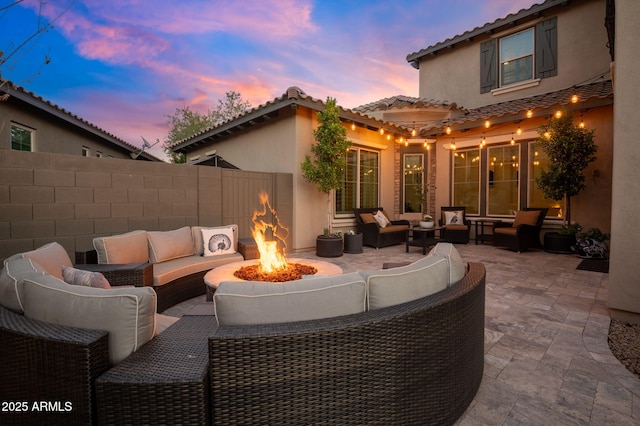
(405, 356)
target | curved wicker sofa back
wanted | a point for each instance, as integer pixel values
(420, 362)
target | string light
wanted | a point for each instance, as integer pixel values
(487, 124)
(558, 114)
(452, 145)
(448, 130)
(519, 131)
(413, 131)
(529, 113)
(381, 131)
(388, 136)
(581, 125)
(513, 141)
(574, 99)
(353, 125)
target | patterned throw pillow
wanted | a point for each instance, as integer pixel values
(217, 241)
(381, 219)
(84, 278)
(453, 218)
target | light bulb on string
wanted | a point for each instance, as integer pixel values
(452, 145)
(581, 125)
(381, 131)
(353, 125)
(519, 131)
(574, 99)
(529, 113)
(513, 141)
(448, 130)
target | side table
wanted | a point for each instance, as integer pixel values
(422, 237)
(481, 234)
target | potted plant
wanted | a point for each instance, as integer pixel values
(592, 244)
(353, 242)
(570, 149)
(327, 167)
(427, 221)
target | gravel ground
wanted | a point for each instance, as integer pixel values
(624, 342)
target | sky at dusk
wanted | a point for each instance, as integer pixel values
(124, 65)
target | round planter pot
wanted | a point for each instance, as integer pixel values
(426, 225)
(353, 243)
(554, 242)
(329, 246)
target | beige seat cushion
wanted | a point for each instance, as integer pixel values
(393, 228)
(131, 247)
(128, 314)
(168, 245)
(394, 286)
(243, 303)
(51, 257)
(457, 267)
(457, 228)
(15, 268)
(526, 217)
(170, 270)
(506, 230)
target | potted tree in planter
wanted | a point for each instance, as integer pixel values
(422, 193)
(326, 169)
(570, 149)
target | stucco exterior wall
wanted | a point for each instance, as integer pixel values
(624, 290)
(454, 75)
(51, 135)
(280, 145)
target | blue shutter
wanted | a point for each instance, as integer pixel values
(488, 65)
(547, 48)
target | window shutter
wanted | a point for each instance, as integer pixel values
(488, 66)
(546, 48)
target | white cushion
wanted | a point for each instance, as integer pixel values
(197, 236)
(75, 276)
(170, 270)
(381, 219)
(250, 302)
(218, 241)
(457, 267)
(131, 247)
(168, 245)
(14, 269)
(128, 314)
(51, 257)
(394, 286)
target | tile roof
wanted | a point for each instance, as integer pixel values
(293, 96)
(401, 101)
(491, 27)
(31, 98)
(597, 90)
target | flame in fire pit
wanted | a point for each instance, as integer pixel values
(270, 237)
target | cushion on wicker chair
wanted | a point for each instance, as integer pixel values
(14, 269)
(250, 302)
(51, 257)
(390, 287)
(168, 245)
(455, 217)
(128, 314)
(526, 217)
(367, 218)
(457, 267)
(131, 247)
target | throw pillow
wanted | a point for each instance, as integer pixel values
(218, 241)
(75, 276)
(526, 217)
(131, 247)
(50, 257)
(367, 218)
(454, 218)
(381, 219)
(168, 245)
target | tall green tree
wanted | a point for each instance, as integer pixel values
(570, 149)
(327, 167)
(185, 123)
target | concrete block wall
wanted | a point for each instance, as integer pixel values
(71, 199)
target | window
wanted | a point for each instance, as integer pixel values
(538, 161)
(516, 57)
(361, 181)
(99, 154)
(503, 192)
(22, 138)
(466, 180)
(413, 181)
(519, 57)
(86, 151)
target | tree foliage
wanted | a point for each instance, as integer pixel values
(570, 149)
(326, 169)
(185, 123)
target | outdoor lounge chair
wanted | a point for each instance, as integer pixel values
(456, 227)
(524, 233)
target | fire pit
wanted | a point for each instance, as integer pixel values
(273, 265)
(226, 272)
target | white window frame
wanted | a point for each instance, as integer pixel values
(532, 54)
(31, 131)
(358, 150)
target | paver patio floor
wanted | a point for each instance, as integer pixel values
(547, 361)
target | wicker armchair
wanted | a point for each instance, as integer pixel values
(375, 236)
(455, 233)
(524, 233)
